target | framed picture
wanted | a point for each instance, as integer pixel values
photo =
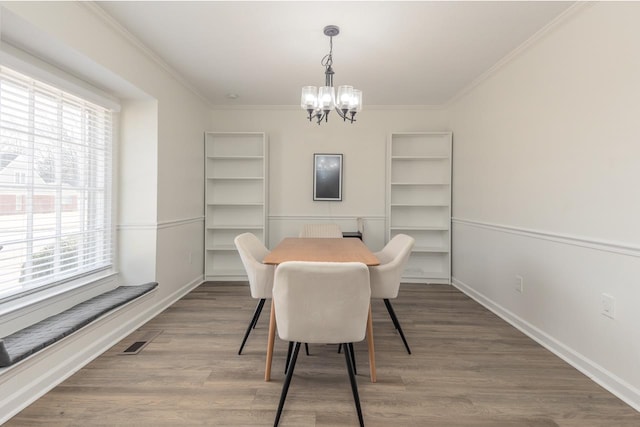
(327, 177)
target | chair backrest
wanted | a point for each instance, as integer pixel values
(260, 275)
(385, 278)
(321, 230)
(321, 302)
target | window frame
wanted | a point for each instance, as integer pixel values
(24, 64)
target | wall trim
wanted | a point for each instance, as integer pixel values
(134, 41)
(137, 226)
(102, 335)
(526, 45)
(435, 107)
(615, 385)
(160, 224)
(324, 217)
(567, 239)
(180, 222)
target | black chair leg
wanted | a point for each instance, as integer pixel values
(287, 382)
(396, 323)
(286, 365)
(288, 359)
(339, 348)
(352, 378)
(252, 324)
(353, 358)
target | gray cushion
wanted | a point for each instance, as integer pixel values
(27, 341)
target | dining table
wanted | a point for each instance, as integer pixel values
(320, 250)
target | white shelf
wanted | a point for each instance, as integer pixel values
(236, 178)
(420, 158)
(235, 194)
(419, 183)
(419, 201)
(235, 204)
(420, 228)
(222, 248)
(435, 249)
(236, 157)
(236, 227)
(419, 205)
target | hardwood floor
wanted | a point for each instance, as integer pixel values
(468, 369)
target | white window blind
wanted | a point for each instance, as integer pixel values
(55, 185)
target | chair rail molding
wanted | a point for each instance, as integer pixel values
(581, 241)
(180, 222)
(160, 224)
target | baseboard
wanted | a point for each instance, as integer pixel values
(38, 374)
(617, 386)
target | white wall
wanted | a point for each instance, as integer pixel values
(545, 187)
(292, 142)
(137, 195)
(160, 225)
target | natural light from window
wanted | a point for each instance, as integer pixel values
(55, 185)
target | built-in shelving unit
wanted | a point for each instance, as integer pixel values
(419, 201)
(235, 198)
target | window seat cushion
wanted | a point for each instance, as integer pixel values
(28, 341)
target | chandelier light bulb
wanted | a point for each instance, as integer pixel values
(326, 98)
(309, 98)
(345, 93)
(355, 103)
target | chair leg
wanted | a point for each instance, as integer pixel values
(352, 378)
(287, 382)
(288, 359)
(252, 324)
(396, 323)
(306, 348)
(353, 358)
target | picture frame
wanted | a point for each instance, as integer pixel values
(327, 177)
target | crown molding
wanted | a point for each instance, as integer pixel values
(135, 42)
(297, 107)
(523, 47)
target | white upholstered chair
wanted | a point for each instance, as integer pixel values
(385, 278)
(321, 302)
(260, 275)
(321, 230)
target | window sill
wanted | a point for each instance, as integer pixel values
(21, 312)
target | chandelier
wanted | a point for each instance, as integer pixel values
(320, 101)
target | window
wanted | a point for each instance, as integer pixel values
(55, 219)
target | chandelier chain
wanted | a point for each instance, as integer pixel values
(327, 61)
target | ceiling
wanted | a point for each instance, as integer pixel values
(398, 53)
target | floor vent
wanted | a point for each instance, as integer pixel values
(141, 342)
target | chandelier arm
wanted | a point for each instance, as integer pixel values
(344, 116)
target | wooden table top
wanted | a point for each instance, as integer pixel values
(321, 250)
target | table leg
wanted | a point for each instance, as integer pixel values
(270, 342)
(372, 354)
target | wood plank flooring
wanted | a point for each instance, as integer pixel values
(468, 369)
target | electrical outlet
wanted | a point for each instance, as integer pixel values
(608, 306)
(519, 284)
